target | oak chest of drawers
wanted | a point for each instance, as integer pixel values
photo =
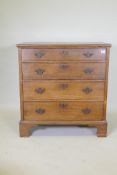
(63, 84)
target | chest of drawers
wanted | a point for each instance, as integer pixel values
(63, 84)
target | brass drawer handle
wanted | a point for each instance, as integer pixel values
(40, 111)
(88, 54)
(39, 71)
(64, 52)
(87, 90)
(39, 54)
(40, 90)
(88, 70)
(63, 105)
(63, 66)
(63, 86)
(86, 111)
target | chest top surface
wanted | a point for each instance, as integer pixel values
(62, 45)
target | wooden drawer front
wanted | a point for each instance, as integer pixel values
(63, 111)
(63, 54)
(63, 70)
(48, 90)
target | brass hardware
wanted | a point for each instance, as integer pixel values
(64, 66)
(63, 86)
(87, 90)
(88, 70)
(64, 52)
(88, 54)
(39, 71)
(39, 54)
(40, 111)
(63, 105)
(40, 90)
(86, 111)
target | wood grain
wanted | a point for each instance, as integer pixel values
(26, 126)
(63, 54)
(64, 89)
(63, 110)
(106, 82)
(21, 83)
(68, 45)
(64, 71)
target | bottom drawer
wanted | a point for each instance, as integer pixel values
(63, 110)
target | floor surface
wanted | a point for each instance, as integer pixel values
(56, 150)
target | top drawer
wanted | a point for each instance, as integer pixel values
(86, 54)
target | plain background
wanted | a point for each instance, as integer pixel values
(53, 21)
